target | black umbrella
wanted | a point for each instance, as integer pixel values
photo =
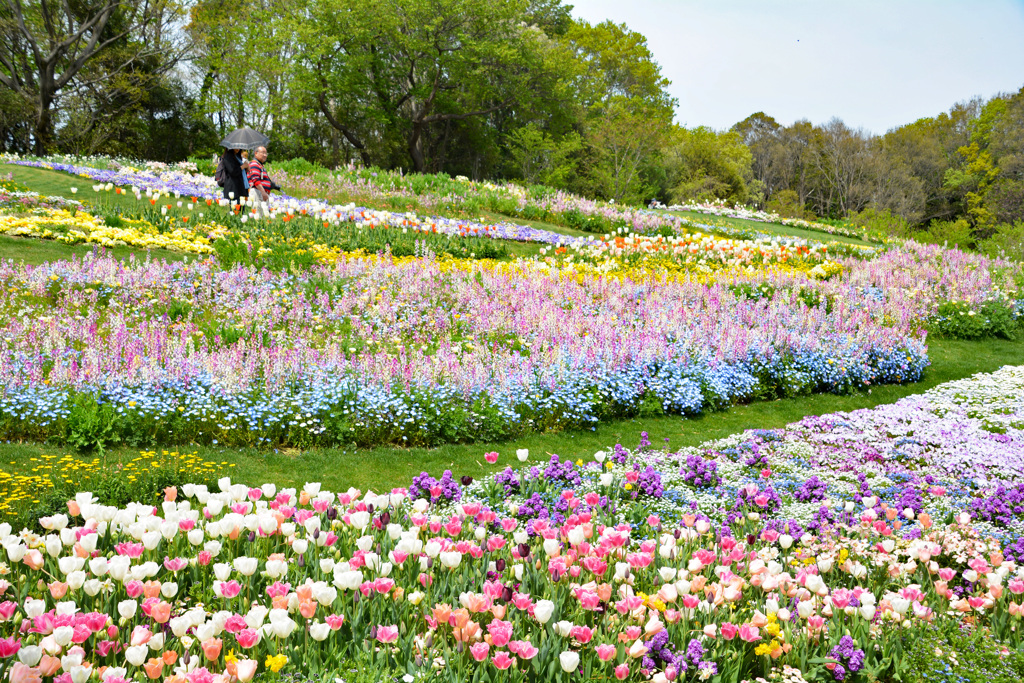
(244, 138)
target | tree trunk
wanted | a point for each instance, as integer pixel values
(43, 132)
(416, 147)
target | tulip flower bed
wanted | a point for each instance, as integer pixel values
(409, 351)
(821, 552)
(430, 193)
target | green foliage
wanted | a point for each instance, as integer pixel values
(539, 158)
(90, 425)
(882, 223)
(787, 204)
(1006, 241)
(299, 166)
(708, 166)
(949, 653)
(963, 320)
(956, 233)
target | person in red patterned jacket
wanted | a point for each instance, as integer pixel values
(259, 183)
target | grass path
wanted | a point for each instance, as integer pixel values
(381, 469)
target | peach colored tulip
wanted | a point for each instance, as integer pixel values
(48, 665)
(212, 647)
(154, 668)
(73, 508)
(20, 673)
(171, 494)
(170, 657)
(34, 559)
(161, 612)
(307, 608)
(58, 589)
(246, 669)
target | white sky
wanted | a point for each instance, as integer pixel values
(876, 64)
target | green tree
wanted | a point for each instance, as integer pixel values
(711, 165)
(386, 74)
(624, 110)
(539, 158)
(46, 48)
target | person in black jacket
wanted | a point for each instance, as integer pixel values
(236, 170)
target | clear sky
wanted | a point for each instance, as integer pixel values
(876, 64)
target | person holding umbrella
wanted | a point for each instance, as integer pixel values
(236, 169)
(235, 165)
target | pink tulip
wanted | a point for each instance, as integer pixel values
(502, 661)
(605, 651)
(622, 672)
(524, 649)
(729, 631)
(480, 651)
(9, 647)
(387, 634)
(749, 633)
(247, 638)
(7, 610)
(491, 457)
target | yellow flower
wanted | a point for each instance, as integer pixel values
(276, 662)
(230, 657)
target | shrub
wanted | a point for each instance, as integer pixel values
(963, 320)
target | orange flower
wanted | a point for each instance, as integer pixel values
(442, 613)
(154, 668)
(304, 592)
(170, 657)
(469, 632)
(307, 608)
(73, 508)
(151, 589)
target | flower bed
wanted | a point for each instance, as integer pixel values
(79, 227)
(825, 550)
(410, 351)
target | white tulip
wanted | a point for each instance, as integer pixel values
(136, 654)
(246, 566)
(30, 655)
(543, 610)
(63, 635)
(319, 632)
(569, 661)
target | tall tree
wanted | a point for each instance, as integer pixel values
(46, 45)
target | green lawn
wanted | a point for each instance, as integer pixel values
(381, 469)
(36, 251)
(772, 228)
